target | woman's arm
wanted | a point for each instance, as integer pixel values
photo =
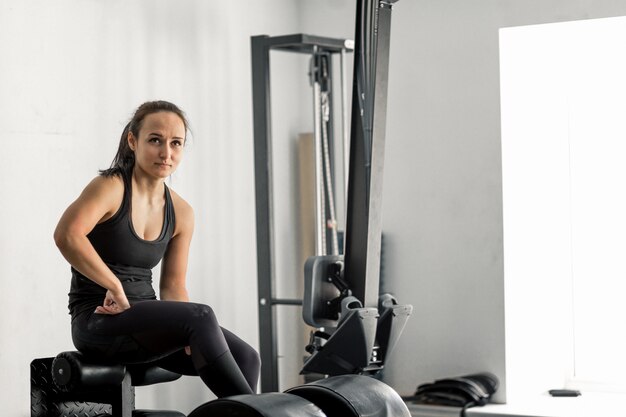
(98, 201)
(174, 265)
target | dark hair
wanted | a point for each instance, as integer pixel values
(124, 160)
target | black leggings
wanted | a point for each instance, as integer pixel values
(158, 331)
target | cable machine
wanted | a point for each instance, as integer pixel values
(356, 327)
(321, 51)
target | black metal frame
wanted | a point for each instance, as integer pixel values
(261, 47)
(367, 144)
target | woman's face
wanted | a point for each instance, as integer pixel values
(159, 147)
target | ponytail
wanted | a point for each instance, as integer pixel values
(124, 160)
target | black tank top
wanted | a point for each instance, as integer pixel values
(130, 257)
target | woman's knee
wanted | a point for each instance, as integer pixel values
(203, 315)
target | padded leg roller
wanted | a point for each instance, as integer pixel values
(273, 404)
(353, 396)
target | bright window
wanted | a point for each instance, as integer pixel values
(563, 97)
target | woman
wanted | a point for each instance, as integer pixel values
(124, 222)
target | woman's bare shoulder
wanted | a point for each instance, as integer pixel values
(103, 195)
(104, 187)
(98, 201)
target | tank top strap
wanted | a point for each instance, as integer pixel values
(169, 213)
(126, 201)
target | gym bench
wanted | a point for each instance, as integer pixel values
(74, 385)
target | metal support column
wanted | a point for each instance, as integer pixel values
(263, 189)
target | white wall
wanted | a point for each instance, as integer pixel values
(71, 73)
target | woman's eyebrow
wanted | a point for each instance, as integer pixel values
(160, 135)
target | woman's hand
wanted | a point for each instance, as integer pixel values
(114, 303)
